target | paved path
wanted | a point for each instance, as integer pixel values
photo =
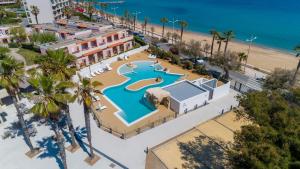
(123, 153)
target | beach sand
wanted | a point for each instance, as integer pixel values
(264, 58)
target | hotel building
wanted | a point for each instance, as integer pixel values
(88, 42)
(6, 2)
(50, 10)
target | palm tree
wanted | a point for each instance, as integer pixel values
(126, 17)
(84, 97)
(103, 7)
(2, 14)
(90, 10)
(11, 74)
(215, 35)
(47, 100)
(228, 36)
(152, 31)
(297, 50)
(68, 12)
(35, 11)
(145, 24)
(182, 24)
(122, 19)
(163, 20)
(220, 40)
(58, 64)
(243, 57)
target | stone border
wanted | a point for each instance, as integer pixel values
(142, 86)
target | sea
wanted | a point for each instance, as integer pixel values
(275, 23)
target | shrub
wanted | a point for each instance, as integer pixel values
(43, 37)
(188, 65)
(29, 55)
(139, 41)
(201, 69)
(175, 59)
(174, 50)
(13, 45)
(164, 40)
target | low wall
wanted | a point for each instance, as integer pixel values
(221, 91)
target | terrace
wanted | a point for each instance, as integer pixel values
(107, 117)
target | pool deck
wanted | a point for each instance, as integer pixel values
(107, 116)
(142, 84)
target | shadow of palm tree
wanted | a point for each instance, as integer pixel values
(50, 150)
(80, 134)
(203, 153)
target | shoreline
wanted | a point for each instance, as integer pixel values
(262, 57)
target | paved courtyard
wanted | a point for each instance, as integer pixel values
(112, 150)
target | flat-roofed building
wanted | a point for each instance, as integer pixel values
(6, 2)
(50, 10)
(185, 96)
(88, 42)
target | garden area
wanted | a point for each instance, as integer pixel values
(29, 55)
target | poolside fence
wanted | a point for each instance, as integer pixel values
(151, 124)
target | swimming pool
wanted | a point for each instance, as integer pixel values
(133, 107)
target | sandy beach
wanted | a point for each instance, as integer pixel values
(264, 58)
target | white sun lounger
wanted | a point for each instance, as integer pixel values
(150, 56)
(108, 67)
(93, 74)
(100, 107)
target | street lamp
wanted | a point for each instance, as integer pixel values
(114, 9)
(173, 22)
(135, 18)
(250, 40)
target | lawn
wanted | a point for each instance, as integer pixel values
(28, 55)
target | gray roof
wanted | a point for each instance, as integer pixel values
(184, 90)
(211, 83)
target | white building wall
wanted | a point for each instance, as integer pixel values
(46, 10)
(190, 104)
(221, 91)
(174, 105)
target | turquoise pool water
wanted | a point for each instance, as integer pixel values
(132, 103)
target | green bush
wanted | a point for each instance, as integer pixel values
(188, 65)
(13, 45)
(175, 59)
(139, 41)
(29, 55)
(201, 69)
(43, 37)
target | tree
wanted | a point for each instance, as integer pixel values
(90, 9)
(182, 24)
(18, 34)
(175, 37)
(68, 12)
(126, 18)
(297, 50)
(11, 74)
(243, 57)
(84, 97)
(163, 20)
(103, 7)
(35, 11)
(279, 79)
(220, 40)
(58, 64)
(194, 49)
(2, 15)
(169, 34)
(227, 36)
(145, 24)
(215, 35)
(229, 61)
(50, 95)
(272, 141)
(3, 52)
(152, 31)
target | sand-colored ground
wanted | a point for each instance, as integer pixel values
(264, 58)
(142, 84)
(111, 78)
(217, 130)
